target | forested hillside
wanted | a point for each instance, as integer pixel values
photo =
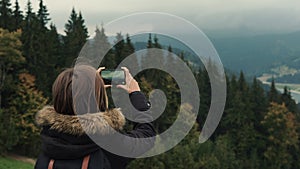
(277, 54)
(259, 128)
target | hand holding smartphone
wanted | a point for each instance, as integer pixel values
(120, 77)
(113, 77)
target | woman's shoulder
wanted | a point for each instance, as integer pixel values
(90, 123)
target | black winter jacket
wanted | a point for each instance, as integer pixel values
(65, 141)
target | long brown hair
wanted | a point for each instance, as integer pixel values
(79, 90)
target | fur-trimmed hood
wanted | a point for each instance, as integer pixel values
(91, 123)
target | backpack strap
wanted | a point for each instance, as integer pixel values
(85, 163)
(51, 163)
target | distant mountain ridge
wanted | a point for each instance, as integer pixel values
(260, 54)
(254, 55)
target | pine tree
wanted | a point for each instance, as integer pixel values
(273, 95)
(50, 61)
(11, 61)
(259, 105)
(28, 37)
(169, 61)
(17, 17)
(287, 99)
(76, 36)
(205, 95)
(36, 46)
(119, 48)
(43, 15)
(242, 83)
(130, 50)
(153, 57)
(70, 26)
(10, 64)
(82, 29)
(258, 97)
(54, 47)
(27, 101)
(156, 44)
(150, 43)
(70, 45)
(145, 58)
(103, 49)
(5, 14)
(224, 152)
(130, 46)
(159, 55)
(281, 136)
(239, 121)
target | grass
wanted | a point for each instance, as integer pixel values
(9, 163)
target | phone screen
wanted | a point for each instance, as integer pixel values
(113, 76)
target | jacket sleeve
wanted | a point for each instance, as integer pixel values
(139, 101)
(144, 127)
(130, 144)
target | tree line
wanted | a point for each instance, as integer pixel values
(259, 127)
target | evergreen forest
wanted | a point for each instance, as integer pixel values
(259, 129)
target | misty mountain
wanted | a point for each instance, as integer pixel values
(259, 54)
(254, 55)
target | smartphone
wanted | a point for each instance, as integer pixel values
(114, 77)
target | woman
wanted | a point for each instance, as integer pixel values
(67, 125)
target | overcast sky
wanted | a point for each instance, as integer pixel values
(248, 15)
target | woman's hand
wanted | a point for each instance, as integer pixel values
(131, 84)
